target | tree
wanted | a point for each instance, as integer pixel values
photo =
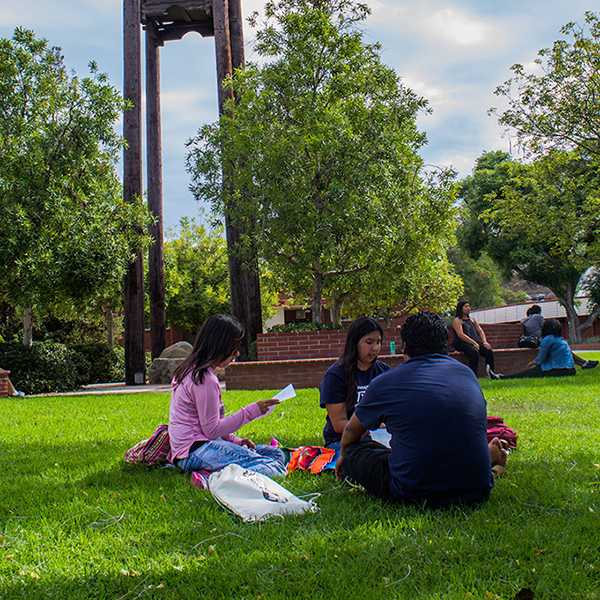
(487, 178)
(544, 225)
(482, 278)
(67, 235)
(196, 284)
(557, 106)
(418, 276)
(321, 148)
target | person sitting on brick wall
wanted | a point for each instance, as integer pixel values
(554, 357)
(532, 334)
(470, 339)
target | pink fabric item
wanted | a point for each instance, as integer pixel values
(197, 414)
(496, 427)
(199, 479)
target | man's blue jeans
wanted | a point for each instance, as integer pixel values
(217, 454)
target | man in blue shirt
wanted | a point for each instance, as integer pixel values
(434, 409)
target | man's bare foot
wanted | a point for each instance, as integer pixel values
(498, 452)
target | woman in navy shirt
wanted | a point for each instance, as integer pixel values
(347, 380)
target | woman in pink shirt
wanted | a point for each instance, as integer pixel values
(201, 436)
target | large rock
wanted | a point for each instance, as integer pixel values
(162, 369)
(178, 350)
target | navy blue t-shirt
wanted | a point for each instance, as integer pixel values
(333, 390)
(434, 409)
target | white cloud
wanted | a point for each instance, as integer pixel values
(450, 25)
(188, 104)
(424, 88)
(459, 28)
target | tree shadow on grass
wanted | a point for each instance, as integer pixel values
(42, 479)
(356, 548)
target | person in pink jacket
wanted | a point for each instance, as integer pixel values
(202, 438)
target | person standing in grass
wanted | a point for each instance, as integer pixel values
(470, 339)
(554, 357)
(346, 381)
(434, 409)
(202, 438)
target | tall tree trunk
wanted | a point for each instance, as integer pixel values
(232, 232)
(316, 298)
(336, 310)
(249, 268)
(250, 273)
(109, 325)
(28, 327)
(568, 301)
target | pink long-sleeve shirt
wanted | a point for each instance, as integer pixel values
(197, 414)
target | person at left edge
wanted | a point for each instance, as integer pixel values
(346, 381)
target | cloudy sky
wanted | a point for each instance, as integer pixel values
(454, 53)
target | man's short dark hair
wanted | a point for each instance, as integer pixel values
(534, 309)
(425, 333)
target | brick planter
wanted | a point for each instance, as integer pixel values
(330, 343)
(4, 383)
(307, 373)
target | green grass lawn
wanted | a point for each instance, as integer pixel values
(76, 523)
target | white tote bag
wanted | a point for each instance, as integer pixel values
(255, 497)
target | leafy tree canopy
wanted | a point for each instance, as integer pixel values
(322, 148)
(67, 236)
(556, 105)
(196, 279)
(486, 179)
(544, 224)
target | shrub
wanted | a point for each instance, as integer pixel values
(54, 367)
(302, 327)
(106, 364)
(82, 365)
(45, 367)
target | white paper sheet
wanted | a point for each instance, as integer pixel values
(382, 436)
(286, 393)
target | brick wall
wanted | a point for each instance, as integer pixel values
(330, 343)
(503, 335)
(4, 383)
(285, 346)
(307, 373)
